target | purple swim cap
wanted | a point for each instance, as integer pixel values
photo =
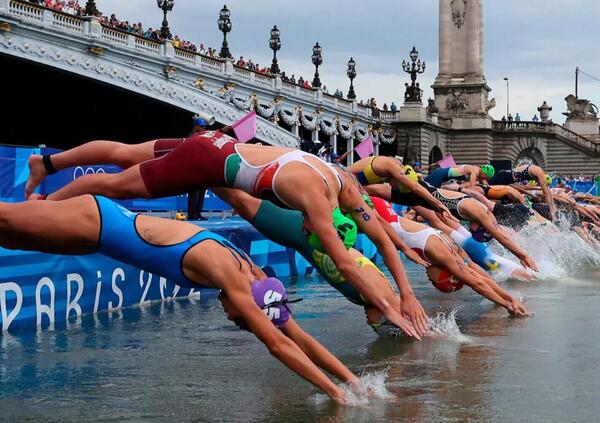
(270, 296)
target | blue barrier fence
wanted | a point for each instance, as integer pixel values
(14, 172)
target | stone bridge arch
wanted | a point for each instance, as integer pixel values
(529, 148)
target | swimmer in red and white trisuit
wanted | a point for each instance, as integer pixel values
(184, 253)
(290, 177)
(451, 267)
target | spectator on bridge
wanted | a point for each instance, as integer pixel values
(241, 62)
(301, 81)
(293, 79)
(385, 107)
(534, 118)
(202, 49)
(306, 84)
(176, 42)
(517, 119)
(510, 120)
(325, 89)
(393, 107)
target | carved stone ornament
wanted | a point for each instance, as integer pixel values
(199, 83)
(457, 102)
(580, 108)
(459, 12)
(4, 27)
(169, 71)
(98, 51)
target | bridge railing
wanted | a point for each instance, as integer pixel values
(530, 126)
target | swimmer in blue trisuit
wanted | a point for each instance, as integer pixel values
(288, 228)
(184, 253)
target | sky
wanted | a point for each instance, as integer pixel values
(535, 43)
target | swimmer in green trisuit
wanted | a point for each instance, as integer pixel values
(288, 228)
(184, 253)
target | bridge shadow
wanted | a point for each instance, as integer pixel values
(59, 109)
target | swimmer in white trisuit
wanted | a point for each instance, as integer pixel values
(181, 252)
(451, 267)
(482, 222)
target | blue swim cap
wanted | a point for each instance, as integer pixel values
(199, 121)
(415, 164)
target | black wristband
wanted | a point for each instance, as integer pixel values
(50, 169)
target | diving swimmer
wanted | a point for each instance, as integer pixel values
(184, 253)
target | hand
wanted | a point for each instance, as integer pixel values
(446, 215)
(339, 397)
(527, 261)
(412, 309)
(516, 308)
(403, 324)
(416, 258)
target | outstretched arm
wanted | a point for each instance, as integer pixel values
(411, 307)
(280, 346)
(485, 218)
(319, 214)
(318, 353)
(399, 243)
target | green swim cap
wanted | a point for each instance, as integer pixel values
(346, 229)
(488, 170)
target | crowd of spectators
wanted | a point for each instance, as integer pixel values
(72, 7)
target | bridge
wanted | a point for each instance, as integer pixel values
(289, 113)
(180, 78)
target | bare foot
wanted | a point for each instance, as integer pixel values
(37, 174)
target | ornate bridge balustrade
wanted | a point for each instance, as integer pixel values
(184, 79)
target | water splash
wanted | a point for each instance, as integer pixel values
(444, 325)
(371, 388)
(558, 252)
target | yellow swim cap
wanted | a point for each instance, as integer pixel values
(548, 179)
(411, 174)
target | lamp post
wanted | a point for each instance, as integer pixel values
(413, 68)
(317, 59)
(275, 44)
(166, 6)
(351, 72)
(507, 98)
(90, 8)
(224, 23)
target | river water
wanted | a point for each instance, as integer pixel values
(182, 360)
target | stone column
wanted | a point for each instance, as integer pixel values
(445, 26)
(473, 37)
(350, 147)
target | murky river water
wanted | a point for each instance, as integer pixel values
(181, 361)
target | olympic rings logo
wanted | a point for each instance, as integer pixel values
(81, 171)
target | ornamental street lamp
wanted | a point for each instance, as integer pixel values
(351, 72)
(224, 23)
(275, 44)
(166, 6)
(414, 67)
(507, 98)
(90, 8)
(317, 59)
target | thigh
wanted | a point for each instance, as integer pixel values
(62, 227)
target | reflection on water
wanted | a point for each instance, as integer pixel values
(182, 360)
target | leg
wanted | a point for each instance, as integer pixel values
(380, 190)
(49, 227)
(91, 153)
(126, 184)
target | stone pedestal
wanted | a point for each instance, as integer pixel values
(412, 112)
(461, 91)
(586, 127)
